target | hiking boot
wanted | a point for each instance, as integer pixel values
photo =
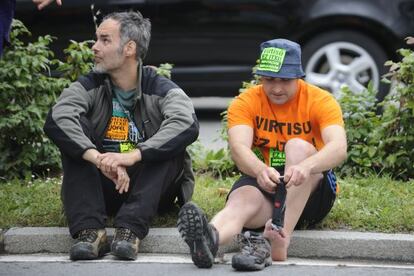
(201, 237)
(90, 244)
(255, 252)
(125, 244)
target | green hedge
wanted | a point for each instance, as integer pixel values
(27, 91)
(382, 143)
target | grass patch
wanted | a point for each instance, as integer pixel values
(34, 203)
(370, 204)
(373, 204)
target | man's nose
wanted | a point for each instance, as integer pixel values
(277, 89)
(95, 47)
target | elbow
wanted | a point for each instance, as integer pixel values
(194, 129)
(233, 152)
(194, 132)
(342, 153)
(50, 128)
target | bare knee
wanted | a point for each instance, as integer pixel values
(244, 201)
(246, 205)
(297, 149)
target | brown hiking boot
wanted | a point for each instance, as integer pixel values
(125, 244)
(90, 244)
(254, 254)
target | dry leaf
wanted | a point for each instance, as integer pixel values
(223, 191)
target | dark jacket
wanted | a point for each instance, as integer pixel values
(163, 112)
(6, 16)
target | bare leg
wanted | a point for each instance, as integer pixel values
(296, 150)
(246, 207)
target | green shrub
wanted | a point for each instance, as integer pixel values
(359, 111)
(26, 93)
(79, 56)
(217, 162)
(383, 143)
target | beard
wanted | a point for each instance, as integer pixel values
(116, 61)
(97, 68)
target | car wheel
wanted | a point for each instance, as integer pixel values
(344, 57)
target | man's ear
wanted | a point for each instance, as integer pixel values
(130, 48)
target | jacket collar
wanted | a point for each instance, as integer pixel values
(108, 83)
(139, 81)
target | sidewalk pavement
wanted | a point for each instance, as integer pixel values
(304, 244)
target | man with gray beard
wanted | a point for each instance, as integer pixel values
(122, 131)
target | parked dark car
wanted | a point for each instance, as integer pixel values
(213, 44)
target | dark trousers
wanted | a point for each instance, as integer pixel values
(89, 197)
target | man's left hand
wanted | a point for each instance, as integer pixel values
(296, 175)
(109, 162)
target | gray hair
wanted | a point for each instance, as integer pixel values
(133, 26)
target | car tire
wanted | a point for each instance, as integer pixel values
(345, 57)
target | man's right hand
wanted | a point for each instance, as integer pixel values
(119, 175)
(120, 178)
(268, 178)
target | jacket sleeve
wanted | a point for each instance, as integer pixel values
(178, 129)
(63, 123)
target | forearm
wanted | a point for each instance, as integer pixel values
(91, 155)
(246, 160)
(330, 156)
(132, 157)
(165, 145)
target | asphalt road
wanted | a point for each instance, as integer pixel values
(172, 265)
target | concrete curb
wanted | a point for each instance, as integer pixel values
(304, 244)
(1, 241)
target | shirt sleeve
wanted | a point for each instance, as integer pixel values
(241, 111)
(328, 112)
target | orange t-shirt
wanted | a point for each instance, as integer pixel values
(304, 116)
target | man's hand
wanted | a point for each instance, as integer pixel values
(120, 178)
(110, 161)
(43, 3)
(122, 183)
(268, 178)
(296, 175)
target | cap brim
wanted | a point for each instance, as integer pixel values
(280, 75)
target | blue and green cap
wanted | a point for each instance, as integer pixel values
(280, 58)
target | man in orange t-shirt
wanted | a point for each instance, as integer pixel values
(284, 133)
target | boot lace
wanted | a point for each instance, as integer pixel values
(88, 235)
(253, 244)
(125, 234)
